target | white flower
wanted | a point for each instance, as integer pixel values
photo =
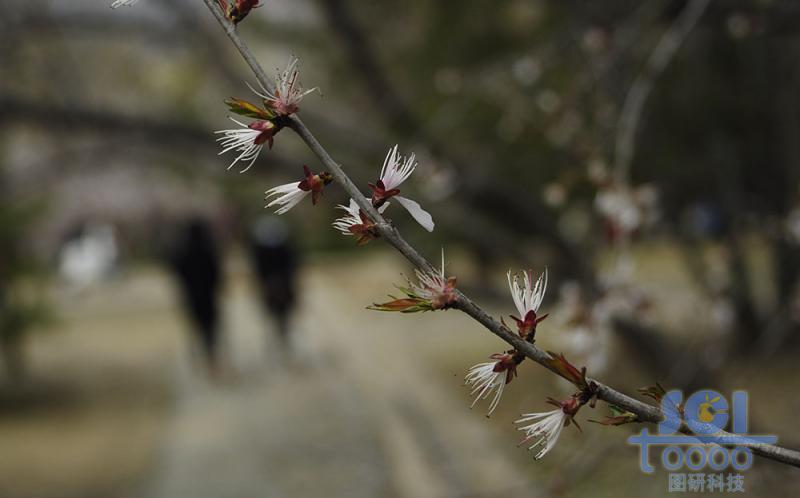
(120, 3)
(288, 92)
(530, 297)
(352, 218)
(618, 205)
(247, 140)
(435, 287)
(546, 428)
(395, 171)
(627, 209)
(485, 378)
(432, 292)
(288, 196)
(430, 282)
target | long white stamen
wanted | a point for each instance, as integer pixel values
(286, 196)
(484, 380)
(396, 169)
(546, 428)
(530, 297)
(352, 218)
(431, 283)
(288, 91)
(242, 140)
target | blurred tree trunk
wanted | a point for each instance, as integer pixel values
(11, 341)
(785, 252)
(12, 351)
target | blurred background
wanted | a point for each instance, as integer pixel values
(162, 335)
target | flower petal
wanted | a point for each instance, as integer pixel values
(416, 211)
(286, 196)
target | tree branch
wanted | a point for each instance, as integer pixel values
(476, 188)
(644, 411)
(637, 95)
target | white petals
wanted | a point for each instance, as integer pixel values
(530, 297)
(395, 170)
(288, 196)
(431, 283)
(243, 141)
(628, 208)
(416, 211)
(483, 380)
(619, 206)
(288, 91)
(546, 427)
(344, 224)
(352, 218)
(120, 3)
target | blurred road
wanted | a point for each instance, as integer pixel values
(368, 405)
(355, 412)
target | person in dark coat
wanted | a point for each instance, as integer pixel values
(195, 261)
(275, 263)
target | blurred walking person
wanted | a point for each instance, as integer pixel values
(275, 262)
(195, 260)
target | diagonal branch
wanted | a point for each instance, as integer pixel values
(644, 411)
(476, 188)
(632, 108)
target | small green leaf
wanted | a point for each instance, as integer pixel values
(245, 108)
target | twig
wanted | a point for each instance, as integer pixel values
(634, 101)
(475, 187)
(644, 411)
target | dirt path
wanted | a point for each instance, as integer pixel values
(370, 405)
(356, 412)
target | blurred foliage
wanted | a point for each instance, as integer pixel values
(22, 307)
(512, 107)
